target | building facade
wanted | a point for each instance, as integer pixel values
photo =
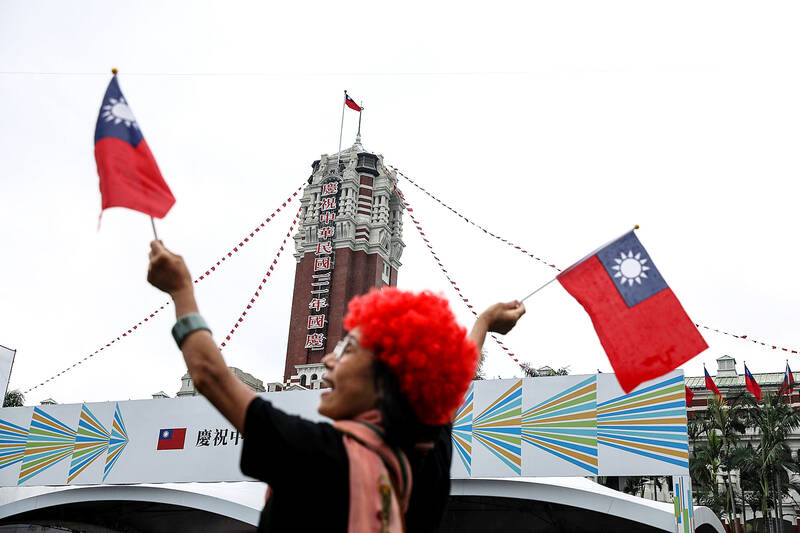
(732, 384)
(188, 388)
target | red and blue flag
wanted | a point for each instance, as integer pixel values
(129, 175)
(788, 380)
(639, 321)
(751, 385)
(171, 439)
(351, 103)
(710, 385)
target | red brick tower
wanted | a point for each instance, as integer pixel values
(349, 241)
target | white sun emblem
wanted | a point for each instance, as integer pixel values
(118, 111)
(165, 434)
(630, 268)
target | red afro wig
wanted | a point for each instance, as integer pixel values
(417, 337)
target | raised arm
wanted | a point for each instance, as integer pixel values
(211, 376)
(498, 318)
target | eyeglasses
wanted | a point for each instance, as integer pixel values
(341, 346)
(338, 351)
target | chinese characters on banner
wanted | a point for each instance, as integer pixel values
(323, 267)
(218, 437)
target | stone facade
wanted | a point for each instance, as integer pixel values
(188, 389)
(367, 246)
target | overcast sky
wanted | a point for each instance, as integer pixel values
(557, 125)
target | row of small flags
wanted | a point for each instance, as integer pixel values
(749, 382)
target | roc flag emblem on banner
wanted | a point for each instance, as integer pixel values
(171, 439)
(129, 175)
(639, 321)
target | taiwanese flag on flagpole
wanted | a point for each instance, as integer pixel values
(129, 175)
(351, 103)
(710, 385)
(788, 380)
(639, 321)
(751, 385)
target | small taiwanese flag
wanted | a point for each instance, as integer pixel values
(751, 385)
(710, 385)
(788, 380)
(689, 396)
(171, 439)
(129, 175)
(351, 103)
(640, 322)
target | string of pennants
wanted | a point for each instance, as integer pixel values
(455, 286)
(208, 272)
(472, 222)
(252, 234)
(533, 256)
(257, 292)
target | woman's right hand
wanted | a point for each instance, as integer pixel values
(167, 271)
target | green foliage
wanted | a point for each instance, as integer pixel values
(764, 462)
(14, 398)
(531, 372)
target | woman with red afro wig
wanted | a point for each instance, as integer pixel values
(419, 341)
(394, 383)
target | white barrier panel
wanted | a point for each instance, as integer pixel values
(571, 426)
(552, 426)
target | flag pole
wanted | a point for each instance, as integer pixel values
(540, 288)
(635, 227)
(359, 119)
(153, 223)
(341, 127)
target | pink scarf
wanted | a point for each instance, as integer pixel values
(380, 477)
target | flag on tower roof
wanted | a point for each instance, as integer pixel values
(351, 103)
(751, 385)
(638, 319)
(710, 385)
(129, 174)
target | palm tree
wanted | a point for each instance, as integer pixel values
(773, 420)
(727, 422)
(705, 464)
(14, 398)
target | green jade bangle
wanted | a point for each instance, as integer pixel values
(188, 324)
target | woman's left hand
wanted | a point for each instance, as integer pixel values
(502, 317)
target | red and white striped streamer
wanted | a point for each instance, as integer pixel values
(246, 239)
(529, 254)
(470, 221)
(747, 338)
(453, 284)
(257, 292)
(203, 276)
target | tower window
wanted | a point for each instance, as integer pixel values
(303, 380)
(387, 273)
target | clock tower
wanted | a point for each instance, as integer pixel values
(349, 240)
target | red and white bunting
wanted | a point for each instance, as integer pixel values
(470, 221)
(243, 242)
(453, 284)
(529, 254)
(260, 287)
